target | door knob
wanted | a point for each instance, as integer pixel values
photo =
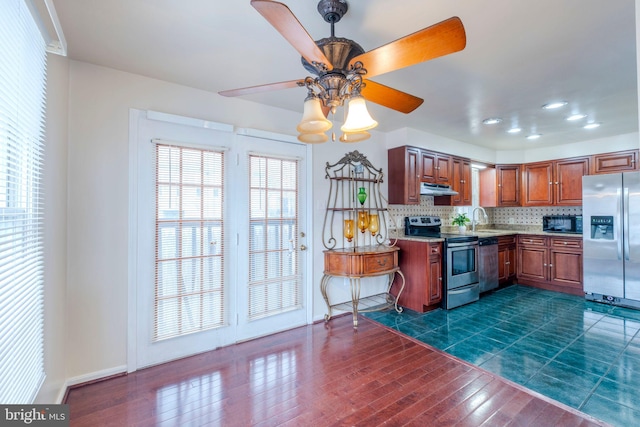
(303, 248)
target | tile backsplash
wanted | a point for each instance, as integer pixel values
(529, 217)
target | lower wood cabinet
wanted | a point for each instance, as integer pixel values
(550, 262)
(421, 263)
(507, 259)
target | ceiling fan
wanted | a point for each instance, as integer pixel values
(339, 64)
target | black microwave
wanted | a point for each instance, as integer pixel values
(562, 223)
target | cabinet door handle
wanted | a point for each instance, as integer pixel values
(556, 182)
(550, 183)
(550, 265)
(564, 243)
(544, 264)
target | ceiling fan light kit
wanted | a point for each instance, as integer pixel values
(313, 138)
(313, 119)
(340, 65)
(358, 118)
(354, 136)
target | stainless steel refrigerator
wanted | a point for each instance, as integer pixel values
(611, 238)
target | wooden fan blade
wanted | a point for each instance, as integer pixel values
(432, 42)
(390, 98)
(283, 20)
(262, 88)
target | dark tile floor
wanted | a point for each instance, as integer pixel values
(583, 354)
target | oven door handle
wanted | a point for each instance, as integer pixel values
(460, 245)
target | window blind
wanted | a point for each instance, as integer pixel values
(22, 104)
(274, 272)
(189, 283)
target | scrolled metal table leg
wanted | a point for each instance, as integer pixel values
(324, 283)
(355, 298)
(398, 309)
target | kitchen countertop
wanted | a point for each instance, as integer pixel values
(484, 233)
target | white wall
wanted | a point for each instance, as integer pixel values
(99, 102)
(55, 231)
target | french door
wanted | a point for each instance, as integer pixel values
(217, 240)
(271, 238)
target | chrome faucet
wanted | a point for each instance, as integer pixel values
(473, 218)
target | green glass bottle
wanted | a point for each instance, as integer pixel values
(362, 195)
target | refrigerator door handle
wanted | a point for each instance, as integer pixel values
(626, 224)
(618, 212)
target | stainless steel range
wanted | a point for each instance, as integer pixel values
(460, 260)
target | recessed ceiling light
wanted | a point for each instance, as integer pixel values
(554, 105)
(492, 121)
(514, 130)
(534, 136)
(576, 117)
(591, 125)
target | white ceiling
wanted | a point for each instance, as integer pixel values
(519, 56)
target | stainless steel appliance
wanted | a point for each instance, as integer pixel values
(562, 223)
(460, 260)
(429, 189)
(488, 263)
(611, 239)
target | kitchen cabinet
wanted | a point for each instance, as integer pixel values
(435, 167)
(500, 186)
(565, 259)
(461, 182)
(421, 263)
(507, 259)
(621, 161)
(405, 170)
(557, 182)
(550, 262)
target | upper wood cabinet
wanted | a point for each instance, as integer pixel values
(554, 183)
(435, 167)
(567, 182)
(405, 170)
(461, 181)
(500, 186)
(408, 166)
(621, 161)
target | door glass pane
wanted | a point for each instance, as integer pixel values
(274, 273)
(189, 291)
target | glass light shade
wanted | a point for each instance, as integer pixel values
(358, 117)
(363, 221)
(313, 138)
(348, 229)
(313, 119)
(355, 136)
(374, 224)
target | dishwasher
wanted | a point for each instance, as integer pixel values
(488, 263)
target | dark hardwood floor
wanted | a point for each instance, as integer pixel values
(319, 375)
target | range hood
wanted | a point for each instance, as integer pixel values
(428, 189)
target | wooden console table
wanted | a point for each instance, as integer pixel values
(356, 263)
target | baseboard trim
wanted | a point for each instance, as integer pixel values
(91, 378)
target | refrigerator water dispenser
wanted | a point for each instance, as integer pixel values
(602, 227)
